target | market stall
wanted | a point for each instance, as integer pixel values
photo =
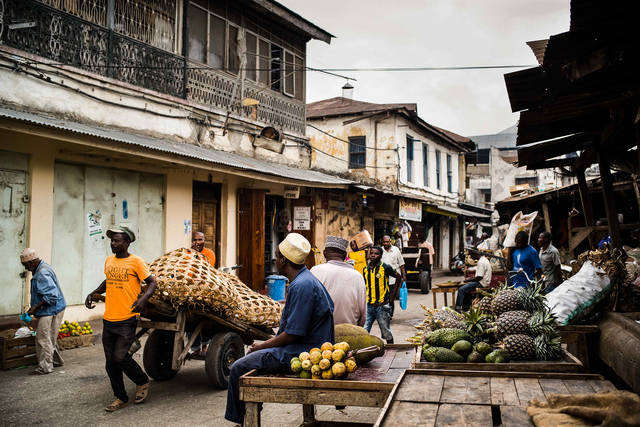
(368, 386)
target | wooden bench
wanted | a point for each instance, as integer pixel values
(445, 288)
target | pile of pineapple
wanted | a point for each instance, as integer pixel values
(506, 324)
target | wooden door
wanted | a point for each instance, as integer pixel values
(251, 238)
(204, 219)
(308, 234)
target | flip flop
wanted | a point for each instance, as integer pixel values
(142, 391)
(115, 405)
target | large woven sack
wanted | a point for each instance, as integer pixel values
(186, 280)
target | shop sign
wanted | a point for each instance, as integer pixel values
(302, 218)
(291, 192)
(411, 211)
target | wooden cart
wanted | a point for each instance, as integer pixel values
(476, 398)
(568, 363)
(369, 386)
(172, 333)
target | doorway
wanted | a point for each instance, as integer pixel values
(205, 216)
(275, 221)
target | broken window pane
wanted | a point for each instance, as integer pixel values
(276, 68)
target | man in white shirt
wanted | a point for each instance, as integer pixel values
(482, 278)
(392, 256)
(343, 283)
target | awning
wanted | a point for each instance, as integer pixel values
(208, 155)
(455, 211)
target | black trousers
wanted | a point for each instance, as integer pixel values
(117, 338)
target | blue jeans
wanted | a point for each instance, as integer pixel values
(382, 314)
(462, 294)
(265, 362)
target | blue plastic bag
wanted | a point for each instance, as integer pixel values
(404, 296)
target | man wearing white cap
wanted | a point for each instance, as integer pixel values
(344, 284)
(47, 304)
(306, 322)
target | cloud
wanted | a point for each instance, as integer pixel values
(412, 33)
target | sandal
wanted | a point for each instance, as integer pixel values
(142, 391)
(115, 405)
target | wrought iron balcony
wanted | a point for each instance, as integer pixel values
(68, 39)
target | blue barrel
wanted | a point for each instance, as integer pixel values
(276, 286)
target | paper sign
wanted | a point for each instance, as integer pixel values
(94, 223)
(302, 218)
(411, 211)
(187, 226)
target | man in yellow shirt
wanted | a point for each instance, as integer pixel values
(359, 256)
(123, 303)
(198, 244)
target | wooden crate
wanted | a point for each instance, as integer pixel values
(568, 363)
(485, 399)
(17, 352)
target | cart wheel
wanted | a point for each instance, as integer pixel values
(224, 349)
(158, 353)
(425, 282)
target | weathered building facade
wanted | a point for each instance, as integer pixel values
(408, 171)
(169, 116)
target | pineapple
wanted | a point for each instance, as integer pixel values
(528, 299)
(510, 323)
(447, 318)
(542, 323)
(548, 347)
(485, 304)
(519, 346)
(477, 323)
(507, 300)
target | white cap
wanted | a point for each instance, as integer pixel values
(295, 248)
(28, 255)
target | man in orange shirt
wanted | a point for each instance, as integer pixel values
(198, 244)
(124, 273)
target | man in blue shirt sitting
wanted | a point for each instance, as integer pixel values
(47, 305)
(306, 322)
(524, 261)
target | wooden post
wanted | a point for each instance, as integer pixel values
(547, 220)
(308, 414)
(587, 205)
(609, 201)
(252, 414)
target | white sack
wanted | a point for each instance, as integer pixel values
(577, 296)
(519, 222)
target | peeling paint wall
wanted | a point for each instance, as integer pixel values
(139, 112)
(386, 160)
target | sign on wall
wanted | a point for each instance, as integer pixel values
(291, 192)
(302, 218)
(411, 211)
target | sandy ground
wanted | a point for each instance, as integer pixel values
(77, 393)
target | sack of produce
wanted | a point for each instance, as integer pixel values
(186, 280)
(519, 222)
(577, 297)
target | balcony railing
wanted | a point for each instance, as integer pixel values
(67, 39)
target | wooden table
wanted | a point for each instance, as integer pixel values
(445, 288)
(455, 398)
(369, 386)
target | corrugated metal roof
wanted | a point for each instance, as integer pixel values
(464, 212)
(231, 160)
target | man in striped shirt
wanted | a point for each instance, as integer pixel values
(379, 296)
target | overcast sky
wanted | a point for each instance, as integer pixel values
(408, 33)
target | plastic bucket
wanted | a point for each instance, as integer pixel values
(276, 286)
